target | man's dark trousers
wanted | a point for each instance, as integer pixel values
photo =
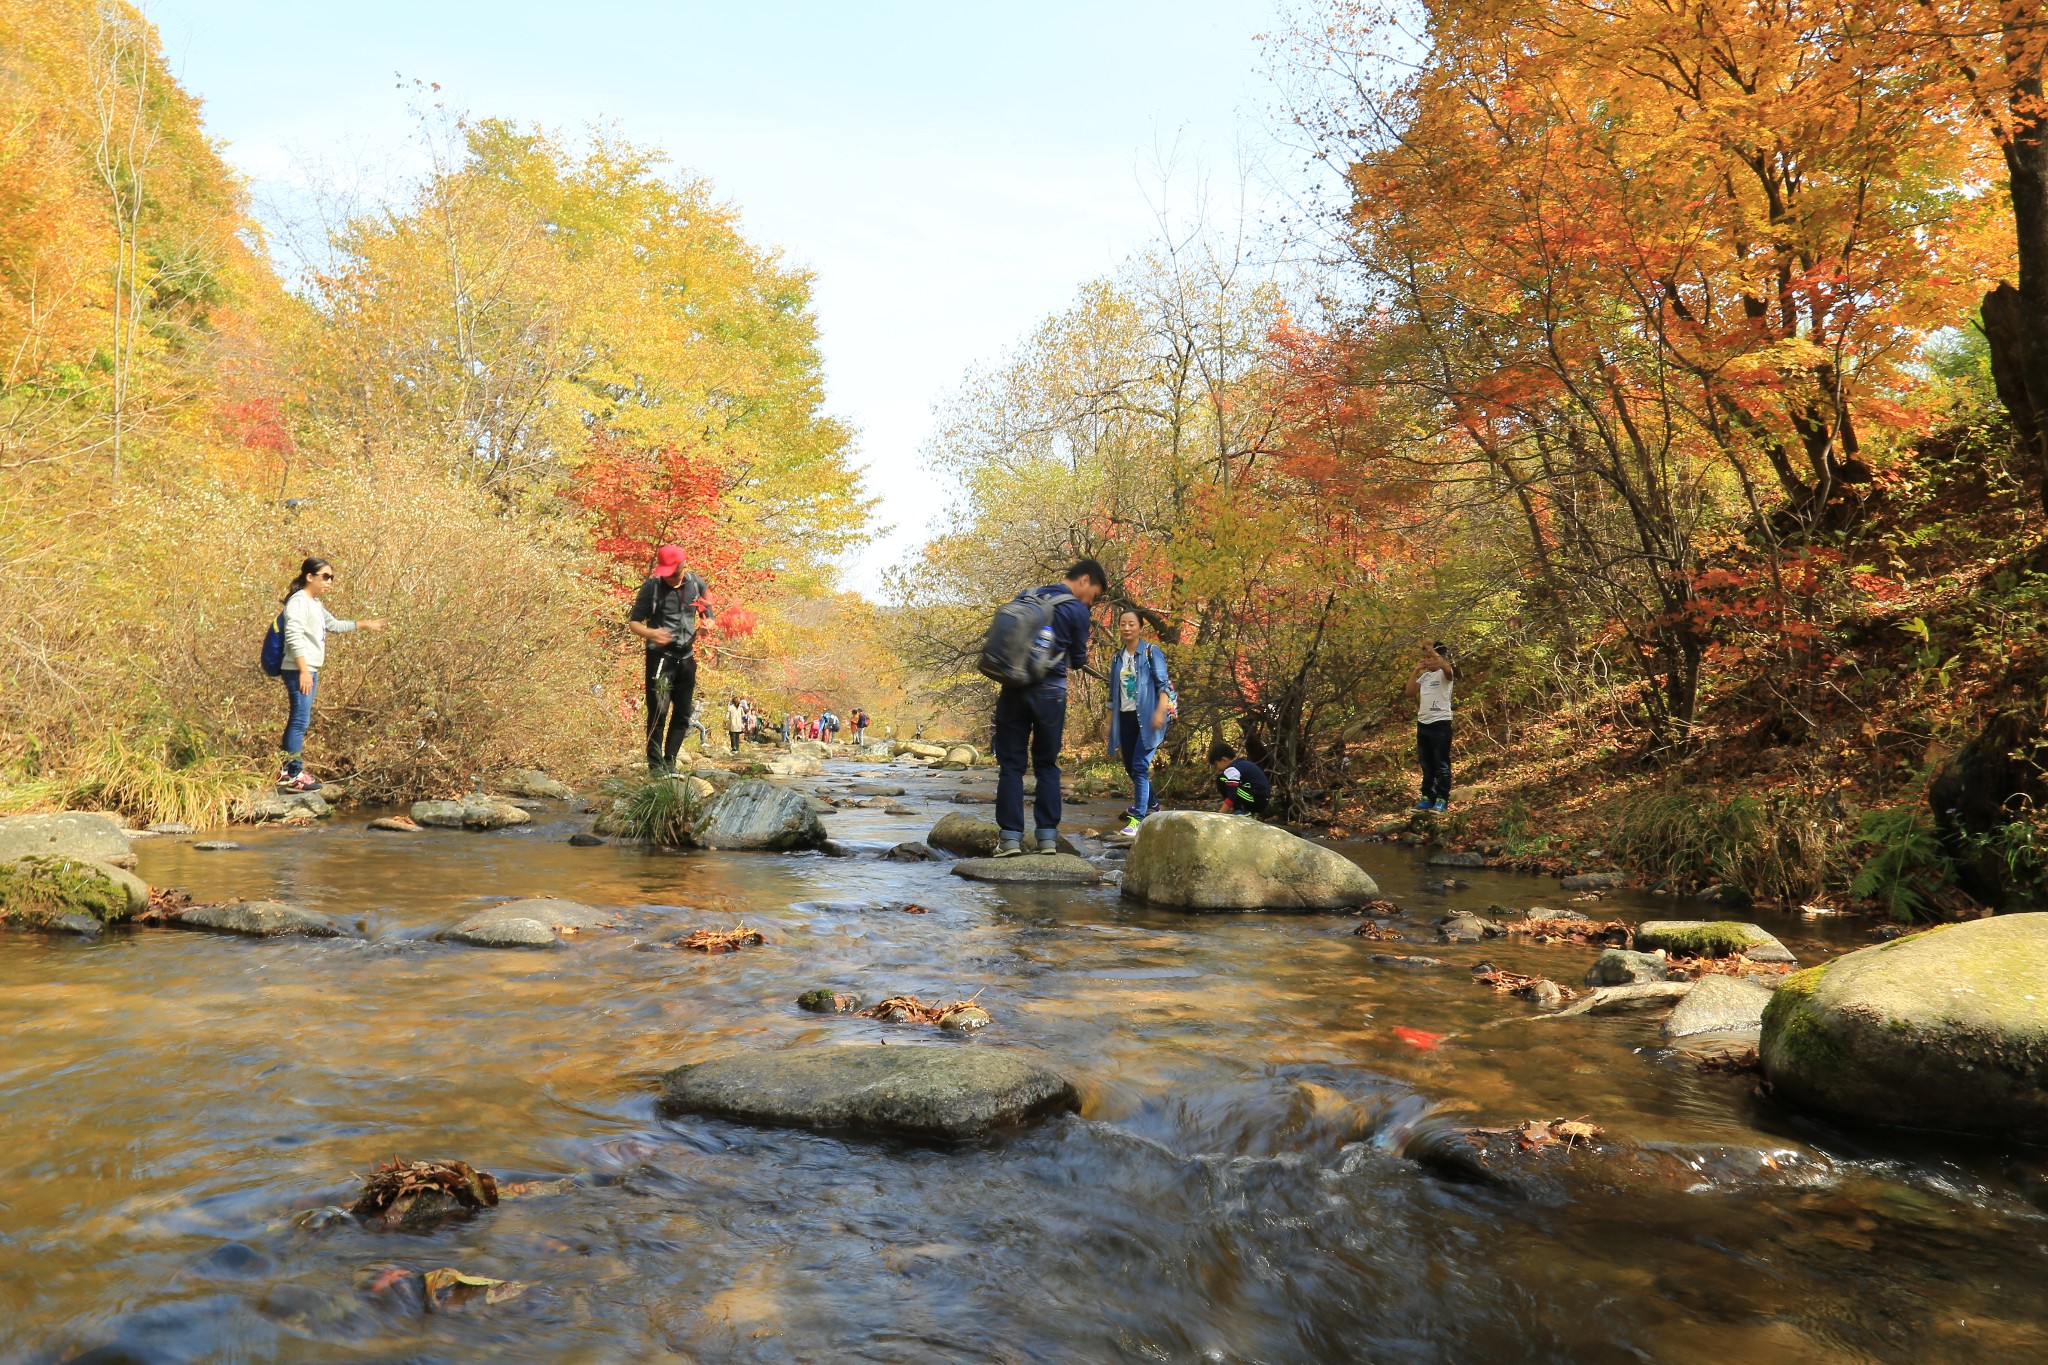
(1029, 724)
(671, 692)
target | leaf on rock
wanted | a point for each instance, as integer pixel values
(722, 940)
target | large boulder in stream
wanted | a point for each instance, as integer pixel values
(753, 814)
(534, 783)
(86, 836)
(937, 1091)
(1197, 860)
(68, 895)
(1945, 1030)
(263, 919)
(471, 812)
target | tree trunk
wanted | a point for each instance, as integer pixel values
(2016, 320)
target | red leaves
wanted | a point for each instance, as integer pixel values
(1416, 1038)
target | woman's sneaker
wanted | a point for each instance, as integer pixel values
(1131, 823)
(304, 782)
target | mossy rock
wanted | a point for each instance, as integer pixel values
(1710, 938)
(1946, 1030)
(68, 894)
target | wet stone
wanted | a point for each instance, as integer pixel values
(264, 919)
(585, 841)
(216, 846)
(1711, 938)
(1719, 1004)
(949, 1091)
(1029, 868)
(531, 923)
(1594, 881)
(1619, 967)
(1457, 859)
(1405, 960)
(913, 852)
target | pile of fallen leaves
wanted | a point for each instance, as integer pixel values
(399, 1192)
(722, 940)
(913, 908)
(908, 1009)
(1378, 933)
(1613, 933)
(1380, 908)
(1735, 964)
(446, 1290)
(165, 902)
(1505, 982)
(1571, 1132)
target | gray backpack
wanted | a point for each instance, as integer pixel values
(1020, 648)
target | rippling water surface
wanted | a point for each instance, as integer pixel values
(171, 1103)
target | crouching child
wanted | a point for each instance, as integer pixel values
(1246, 788)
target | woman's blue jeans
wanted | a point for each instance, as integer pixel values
(1130, 742)
(298, 715)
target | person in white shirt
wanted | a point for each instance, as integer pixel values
(1430, 685)
(306, 623)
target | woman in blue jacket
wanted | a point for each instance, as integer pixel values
(1142, 701)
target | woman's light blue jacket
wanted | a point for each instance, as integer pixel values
(1153, 683)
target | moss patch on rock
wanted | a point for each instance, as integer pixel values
(39, 892)
(1714, 938)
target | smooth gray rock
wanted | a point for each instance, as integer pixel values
(913, 852)
(264, 919)
(85, 835)
(471, 812)
(1649, 995)
(1463, 928)
(758, 815)
(1029, 868)
(1565, 920)
(267, 807)
(874, 789)
(1198, 860)
(216, 846)
(1457, 859)
(1719, 1004)
(536, 922)
(1943, 1030)
(1711, 938)
(935, 1091)
(964, 836)
(534, 783)
(1405, 960)
(1619, 967)
(1594, 881)
(170, 827)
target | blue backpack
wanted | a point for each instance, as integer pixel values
(272, 657)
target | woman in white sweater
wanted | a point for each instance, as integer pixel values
(306, 623)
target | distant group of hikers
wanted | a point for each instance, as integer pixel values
(1035, 642)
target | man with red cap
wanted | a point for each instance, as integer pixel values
(664, 614)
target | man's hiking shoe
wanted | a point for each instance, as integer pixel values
(1010, 851)
(1049, 848)
(1425, 804)
(1439, 807)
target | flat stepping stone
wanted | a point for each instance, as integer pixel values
(937, 1091)
(1594, 881)
(216, 846)
(1719, 1004)
(1029, 868)
(264, 919)
(537, 922)
(397, 824)
(170, 827)
(874, 789)
(1711, 938)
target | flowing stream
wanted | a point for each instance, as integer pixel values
(172, 1103)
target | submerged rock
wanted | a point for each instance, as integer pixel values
(471, 812)
(263, 919)
(1029, 867)
(396, 824)
(1464, 928)
(1711, 938)
(1648, 995)
(1197, 860)
(950, 1091)
(1619, 967)
(912, 852)
(86, 836)
(1719, 1004)
(1457, 859)
(1594, 881)
(68, 895)
(580, 840)
(1944, 1030)
(753, 814)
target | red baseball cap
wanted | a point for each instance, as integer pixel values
(667, 560)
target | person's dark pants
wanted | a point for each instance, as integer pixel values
(734, 735)
(671, 693)
(1433, 749)
(298, 715)
(1028, 726)
(1130, 744)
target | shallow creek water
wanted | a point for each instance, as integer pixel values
(1232, 1191)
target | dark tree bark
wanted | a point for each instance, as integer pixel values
(2016, 320)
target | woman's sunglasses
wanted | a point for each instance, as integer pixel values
(324, 573)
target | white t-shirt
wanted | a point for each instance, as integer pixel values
(1435, 697)
(1127, 681)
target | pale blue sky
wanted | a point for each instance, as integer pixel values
(951, 172)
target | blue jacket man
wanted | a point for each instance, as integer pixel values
(1030, 721)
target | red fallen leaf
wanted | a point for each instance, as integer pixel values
(1415, 1037)
(388, 1278)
